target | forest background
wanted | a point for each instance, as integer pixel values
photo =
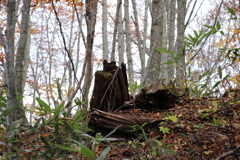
(47, 45)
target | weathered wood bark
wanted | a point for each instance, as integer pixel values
(153, 97)
(105, 122)
(110, 88)
(161, 99)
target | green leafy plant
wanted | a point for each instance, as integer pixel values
(164, 129)
(219, 121)
(69, 134)
(205, 113)
(172, 118)
(157, 147)
(11, 128)
(133, 88)
(4, 111)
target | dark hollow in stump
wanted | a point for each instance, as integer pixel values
(110, 87)
(161, 99)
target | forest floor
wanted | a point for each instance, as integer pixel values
(203, 128)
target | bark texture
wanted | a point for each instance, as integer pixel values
(11, 94)
(119, 3)
(120, 37)
(110, 88)
(153, 66)
(10, 30)
(140, 41)
(171, 34)
(90, 17)
(104, 29)
(105, 122)
(179, 46)
(21, 59)
(128, 43)
(164, 56)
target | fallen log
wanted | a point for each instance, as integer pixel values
(105, 122)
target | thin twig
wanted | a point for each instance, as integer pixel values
(230, 153)
(64, 42)
(200, 48)
(79, 21)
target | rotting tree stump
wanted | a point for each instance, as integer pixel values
(111, 95)
(110, 87)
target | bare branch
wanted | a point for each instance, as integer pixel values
(200, 48)
(230, 153)
(79, 22)
(64, 42)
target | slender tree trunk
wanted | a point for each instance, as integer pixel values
(140, 42)
(20, 56)
(120, 37)
(128, 43)
(104, 30)
(70, 71)
(10, 30)
(90, 17)
(11, 94)
(171, 34)
(145, 27)
(179, 47)
(115, 31)
(27, 54)
(164, 56)
(79, 18)
(153, 66)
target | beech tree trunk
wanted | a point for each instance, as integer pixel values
(120, 37)
(164, 56)
(10, 30)
(128, 43)
(90, 17)
(119, 3)
(110, 87)
(153, 66)
(21, 63)
(15, 88)
(171, 34)
(104, 29)
(140, 41)
(179, 46)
